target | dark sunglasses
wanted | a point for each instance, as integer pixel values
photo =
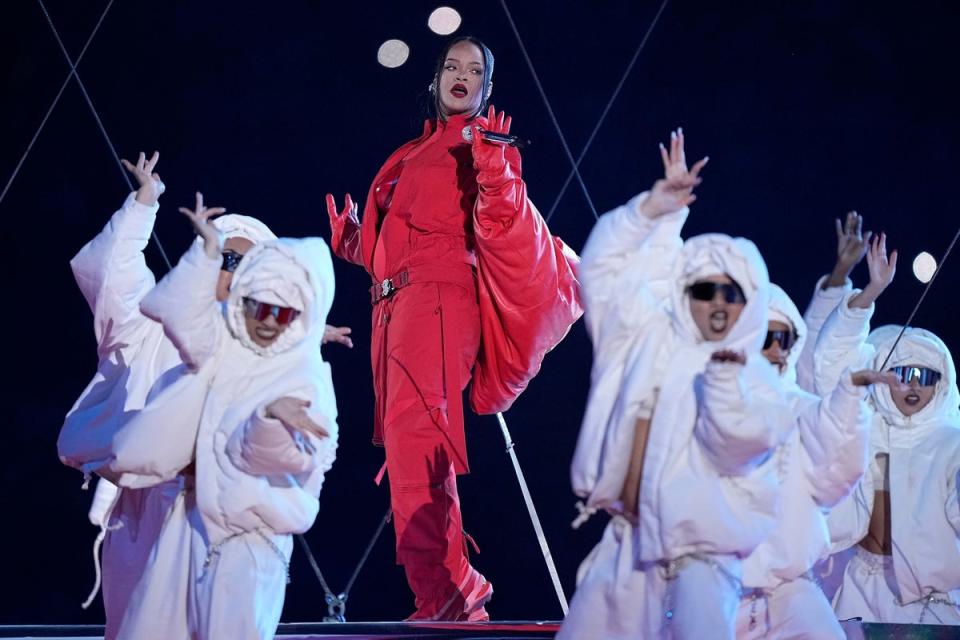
(786, 338)
(926, 376)
(707, 291)
(260, 311)
(231, 260)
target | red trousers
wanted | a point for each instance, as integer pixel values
(424, 344)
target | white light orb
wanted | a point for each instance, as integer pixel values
(924, 266)
(444, 21)
(393, 53)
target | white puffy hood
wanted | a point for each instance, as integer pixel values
(234, 225)
(716, 254)
(286, 272)
(782, 309)
(922, 348)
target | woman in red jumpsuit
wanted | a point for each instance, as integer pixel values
(467, 283)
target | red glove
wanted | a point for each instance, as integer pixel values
(345, 229)
(488, 156)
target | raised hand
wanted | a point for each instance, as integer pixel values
(340, 335)
(866, 377)
(487, 154)
(882, 269)
(292, 412)
(200, 218)
(151, 187)
(675, 160)
(852, 245)
(675, 190)
(349, 213)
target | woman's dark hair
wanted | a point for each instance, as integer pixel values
(487, 73)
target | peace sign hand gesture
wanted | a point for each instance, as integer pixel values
(200, 218)
(151, 187)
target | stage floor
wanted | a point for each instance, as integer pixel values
(438, 630)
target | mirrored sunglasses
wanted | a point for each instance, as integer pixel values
(260, 311)
(925, 376)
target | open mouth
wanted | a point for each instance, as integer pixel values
(459, 91)
(265, 334)
(912, 399)
(718, 321)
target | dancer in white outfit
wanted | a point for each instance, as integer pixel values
(134, 357)
(683, 415)
(904, 516)
(818, 465)
(254, 418)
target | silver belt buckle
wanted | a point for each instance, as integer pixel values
(386, 288)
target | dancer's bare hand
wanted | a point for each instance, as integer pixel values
(340, 335)
(729, 355)
(882, 269)
(200, 218)
(151, 186)
(675, 190)
(292, 412)
(866, 377)
(852, 245)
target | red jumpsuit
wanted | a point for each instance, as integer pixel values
(433, 215)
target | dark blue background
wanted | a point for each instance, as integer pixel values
(806, 109)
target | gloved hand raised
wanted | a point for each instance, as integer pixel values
(488, 156)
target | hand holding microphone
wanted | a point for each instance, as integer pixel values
(487, 144)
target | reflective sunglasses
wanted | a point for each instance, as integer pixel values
(786, 338)
(260, 311)
(926, 376)
(706, 291)
(231, 260)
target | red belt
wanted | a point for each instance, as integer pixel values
(459, 274)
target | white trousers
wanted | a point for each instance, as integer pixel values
(130, 548)
(796, 609)
(238, 585)
(618, 599)
(867, 593)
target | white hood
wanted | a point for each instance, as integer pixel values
(922, 348)
(290, 273)
(782, 309)
(234, 225)
(716, 254)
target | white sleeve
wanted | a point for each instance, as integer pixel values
(849, 520)
(185, 302)
(266, 447)
(740, 422)
(952, 507)
(835, 435)
(842, 344)
(625, 249)
(112, 273)
(104, 496)
(822, 304)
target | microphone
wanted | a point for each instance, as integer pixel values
(504, 138)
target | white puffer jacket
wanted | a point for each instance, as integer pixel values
(133, 352)
(923, 461)
(818, 464)
(251, 471)
(709, 484)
